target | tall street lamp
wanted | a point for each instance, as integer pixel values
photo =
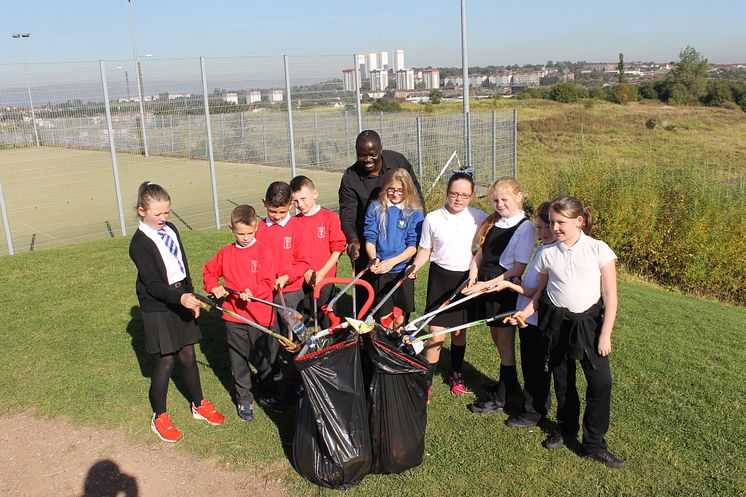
(126, 82)
(138, 74)
(21, 36)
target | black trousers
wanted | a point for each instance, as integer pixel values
(246, 344)
(597, 398)
(536, 381)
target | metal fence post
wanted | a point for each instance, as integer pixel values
(467, 128)
(209, 143)
(291, 138)
(264, 137)
(316, 138)
(358, 107)
(515, 143)
(114, 165)
(418, 124)
(8, 237)
(380, 124)
(140, 91)
(494, 146)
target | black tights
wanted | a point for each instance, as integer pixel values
(164, 367)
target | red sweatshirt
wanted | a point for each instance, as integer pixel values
(241, 268)
(289, 255)
(322, 235)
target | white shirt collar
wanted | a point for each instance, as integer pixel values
(509, 222)
(251, 243)
(564, 248)
(281, 223)
(314, 211)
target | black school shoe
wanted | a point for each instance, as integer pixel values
(605, 457)
(520, 422)
(273, 403)
(554, 441)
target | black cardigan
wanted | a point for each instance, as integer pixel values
(153, 291)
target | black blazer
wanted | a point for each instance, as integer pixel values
(153, 291)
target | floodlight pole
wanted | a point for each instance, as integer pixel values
(465, 76)
(21, 36)
(138, 74)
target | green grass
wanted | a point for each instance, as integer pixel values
(71, 346)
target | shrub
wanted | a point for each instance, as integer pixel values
(565, 92)
(385, 105)
(651, 123)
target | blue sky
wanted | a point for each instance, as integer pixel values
(500, 33)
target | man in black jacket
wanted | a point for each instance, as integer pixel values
(361, 184)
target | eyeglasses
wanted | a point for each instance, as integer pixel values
(395, 191)
(455, 195)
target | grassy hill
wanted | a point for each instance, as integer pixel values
(71, 346)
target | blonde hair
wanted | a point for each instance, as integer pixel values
(509, 185)
(410, 200)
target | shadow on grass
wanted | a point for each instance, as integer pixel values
(215, 348)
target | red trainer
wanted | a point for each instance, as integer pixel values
(207, 412)
(457, 385)
(164, 428)
(429, 392)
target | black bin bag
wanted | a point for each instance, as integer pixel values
(397, 400)
(332, 437)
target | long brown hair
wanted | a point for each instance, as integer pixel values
(509, 185)
(570, 207)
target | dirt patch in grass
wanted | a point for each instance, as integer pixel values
(43, 457)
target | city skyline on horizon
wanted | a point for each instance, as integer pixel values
(429, 32)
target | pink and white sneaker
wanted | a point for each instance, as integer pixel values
(457, 384)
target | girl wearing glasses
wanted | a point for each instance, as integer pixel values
(392, 229)
(506, 240)
(447, 241)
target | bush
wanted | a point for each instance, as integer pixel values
(566, 92)
(623, 93)
(682, 227)
(719, 94)
(651, 123)
(385, 105)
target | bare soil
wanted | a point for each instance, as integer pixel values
(50, 458)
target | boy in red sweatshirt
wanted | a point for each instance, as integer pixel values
(246, 266)
(324, 242)
(281, 232)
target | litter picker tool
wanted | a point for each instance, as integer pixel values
(349, 285)
(417, 341)
(440, 308)
(285, 342)
(405, 274)
(292, 318)
(412, 325)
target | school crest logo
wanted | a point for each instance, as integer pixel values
(287, 242)
(321, 232)
(254, 265)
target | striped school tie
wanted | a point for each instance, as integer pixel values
(171, 246)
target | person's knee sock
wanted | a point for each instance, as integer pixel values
(457, 357)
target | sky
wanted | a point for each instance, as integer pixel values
(499, 33)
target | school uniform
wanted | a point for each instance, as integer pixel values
(508, 242)
(450, 239)
(241, 267)
(571, 316)
(162, 278)
(322, 234)
(401, 230)
(536, 378)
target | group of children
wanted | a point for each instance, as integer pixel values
(283, 256)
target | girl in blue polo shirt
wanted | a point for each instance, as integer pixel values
(393, 224)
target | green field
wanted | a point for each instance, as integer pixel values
(66, 196)
(71, 346)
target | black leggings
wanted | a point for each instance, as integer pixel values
(164, 367)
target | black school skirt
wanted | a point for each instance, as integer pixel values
(403, 297)
(493, 303)
(441, 284)
(169, 331)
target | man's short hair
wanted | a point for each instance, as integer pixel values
(367, 135)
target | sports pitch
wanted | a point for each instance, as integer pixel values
(57, 196)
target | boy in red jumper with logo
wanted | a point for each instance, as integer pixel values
(281, 232)
(248, 267)
(324, 242)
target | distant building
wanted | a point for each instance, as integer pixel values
(501, 79)
(383, 60)
(348, 80)
(431, 78)
(276, 96)
(398, 59)
(363, 74)
(230, 97)
(477, 80)
(254, 97)
(405, 79)
(371, 62)
(527, 79)
(379, 80)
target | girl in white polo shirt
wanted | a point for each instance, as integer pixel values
(506, 240)
(577, 322)
(447, 241)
